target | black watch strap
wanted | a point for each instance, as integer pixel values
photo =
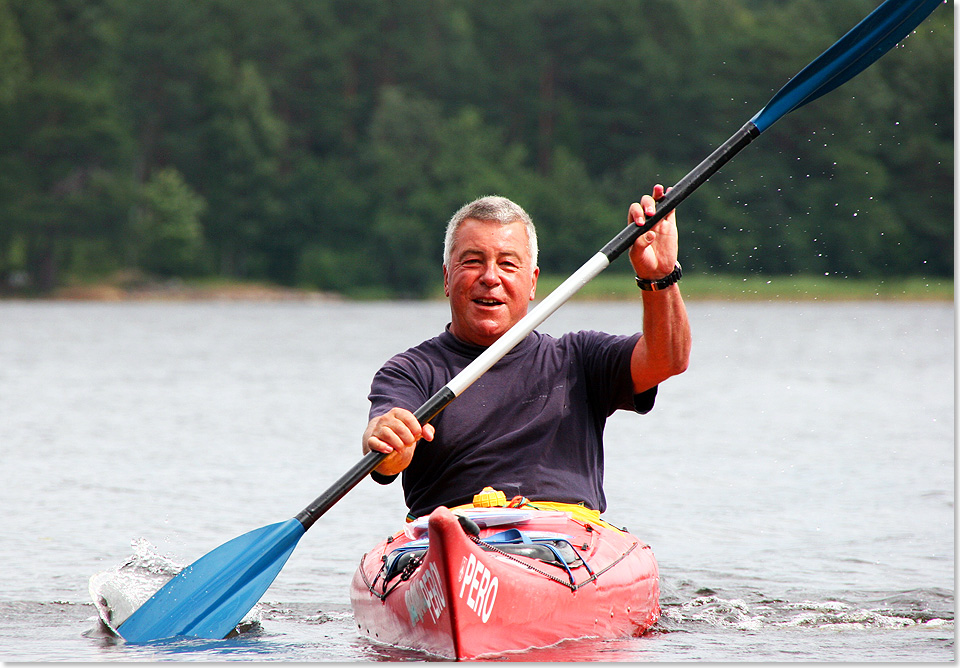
(661, 283)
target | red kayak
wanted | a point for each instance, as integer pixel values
(489, 580)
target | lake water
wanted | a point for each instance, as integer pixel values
(796, 484)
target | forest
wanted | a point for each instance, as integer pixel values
(324, 144)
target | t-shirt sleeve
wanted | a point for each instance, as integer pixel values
(606, 360)
(383, 479)
(395, 385)
(643, 402)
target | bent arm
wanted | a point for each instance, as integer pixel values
(664, 349)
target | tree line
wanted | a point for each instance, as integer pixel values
(325, 143)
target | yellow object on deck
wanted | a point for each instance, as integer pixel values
(494, 498)
(489, 498)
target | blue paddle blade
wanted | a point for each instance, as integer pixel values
(851, 54)
(209, 597)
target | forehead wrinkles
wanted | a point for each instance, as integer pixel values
(480, 252)
(491, 238)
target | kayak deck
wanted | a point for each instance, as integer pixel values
(493, 580)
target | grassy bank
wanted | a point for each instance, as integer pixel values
(773, 288)
(606, 286)
(138, 288)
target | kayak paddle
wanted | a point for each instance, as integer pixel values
(210, 597)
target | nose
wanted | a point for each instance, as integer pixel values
(491, 275)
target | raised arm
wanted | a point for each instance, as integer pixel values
(664, 349)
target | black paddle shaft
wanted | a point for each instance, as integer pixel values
(683, 188)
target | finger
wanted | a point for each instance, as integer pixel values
(659, 192)
(428, 432)
(649, 205)
(374, 443)
(388, 440)
(408, 426)
(391, 432)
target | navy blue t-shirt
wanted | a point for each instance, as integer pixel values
(532, 425)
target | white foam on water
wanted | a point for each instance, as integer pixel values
(713, 610)
(118, 592)
(738, 614)
(836, 614)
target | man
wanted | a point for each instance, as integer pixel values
(533, 424)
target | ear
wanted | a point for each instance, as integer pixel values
(446, 286)
(533, 286)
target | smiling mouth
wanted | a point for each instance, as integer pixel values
(488, 302)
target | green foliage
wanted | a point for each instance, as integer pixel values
(325, 143)
(14, 70)
(168, 233)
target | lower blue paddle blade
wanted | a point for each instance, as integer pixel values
(208, 598)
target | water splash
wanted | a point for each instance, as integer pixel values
(118, 592)
(837, 614)
(737, 613)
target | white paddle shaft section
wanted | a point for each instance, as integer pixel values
(528, 323)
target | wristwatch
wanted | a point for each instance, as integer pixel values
(661, 283)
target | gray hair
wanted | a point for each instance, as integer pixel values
(496, 208)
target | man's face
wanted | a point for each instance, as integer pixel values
(490, 280)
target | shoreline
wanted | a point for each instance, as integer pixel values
(754, 288)
(609, 287)
(175, 290)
